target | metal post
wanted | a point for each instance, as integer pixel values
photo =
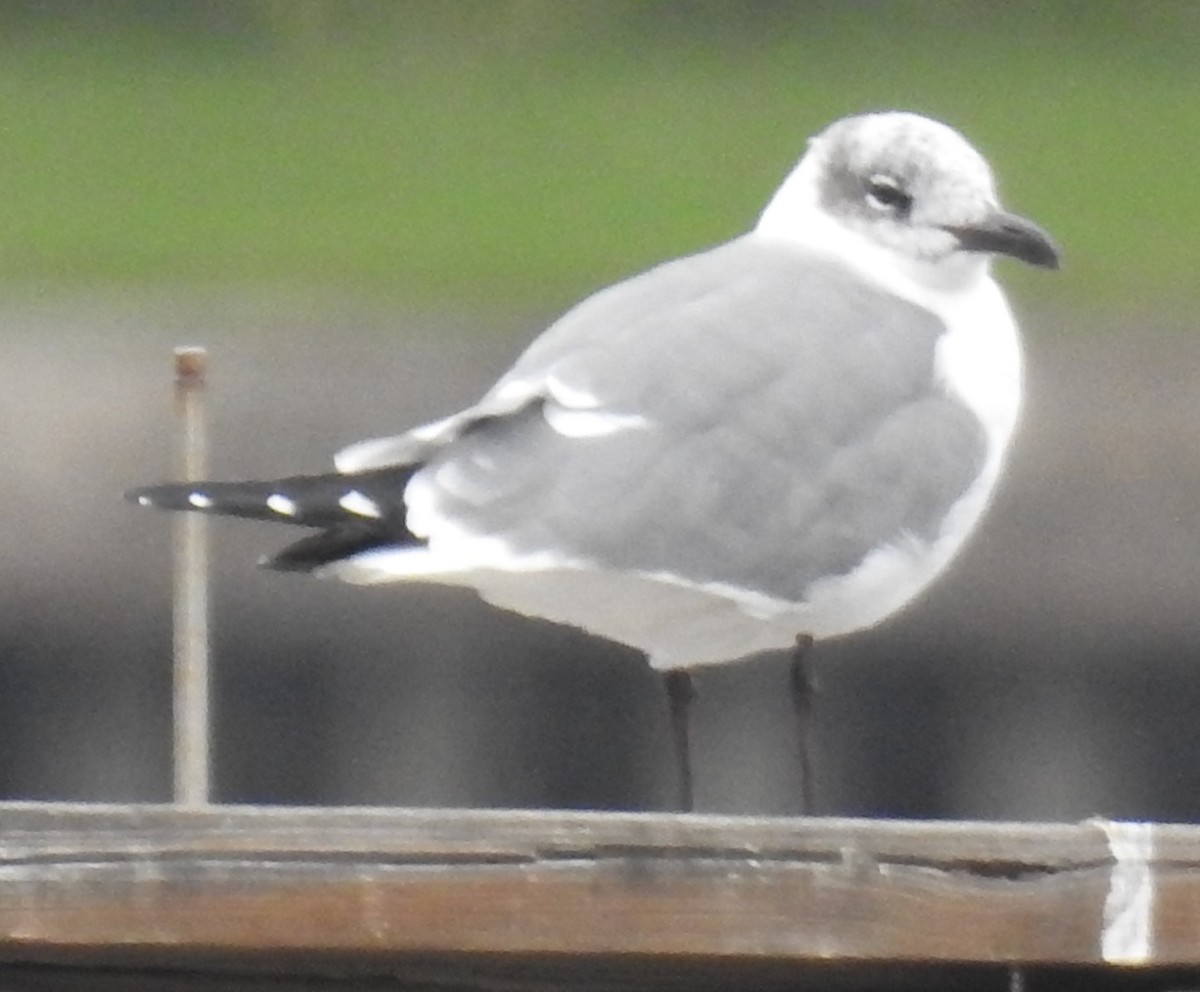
(191, 591)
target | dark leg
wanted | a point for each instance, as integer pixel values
(804, 692)
(680, 694)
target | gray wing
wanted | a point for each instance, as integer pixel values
(759, 417)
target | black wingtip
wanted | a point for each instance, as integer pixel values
(164, 497)
(336, 544)
(372, 500)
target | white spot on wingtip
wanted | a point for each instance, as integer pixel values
(1127, 936)
(283, 505)
(200, 501)
(360, 505)
(145, 501)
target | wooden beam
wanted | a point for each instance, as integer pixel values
(248, 885)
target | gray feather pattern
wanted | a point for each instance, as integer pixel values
(772, 423)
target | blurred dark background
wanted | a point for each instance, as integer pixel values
(365, 209)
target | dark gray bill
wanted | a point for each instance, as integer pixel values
(1007, 234)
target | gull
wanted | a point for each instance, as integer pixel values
(783, 438)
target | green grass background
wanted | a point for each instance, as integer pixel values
(512, 155)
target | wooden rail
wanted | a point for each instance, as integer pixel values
(514, 898)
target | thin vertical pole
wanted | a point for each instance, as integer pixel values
(191, 591)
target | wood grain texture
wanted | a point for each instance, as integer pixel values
(242, 884)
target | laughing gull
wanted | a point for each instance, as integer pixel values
(782, 438)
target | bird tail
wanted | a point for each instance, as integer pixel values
(357, 512)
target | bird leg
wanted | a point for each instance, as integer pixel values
(680, 693)
(804, 693)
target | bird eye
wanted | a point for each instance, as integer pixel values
(884, 193)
